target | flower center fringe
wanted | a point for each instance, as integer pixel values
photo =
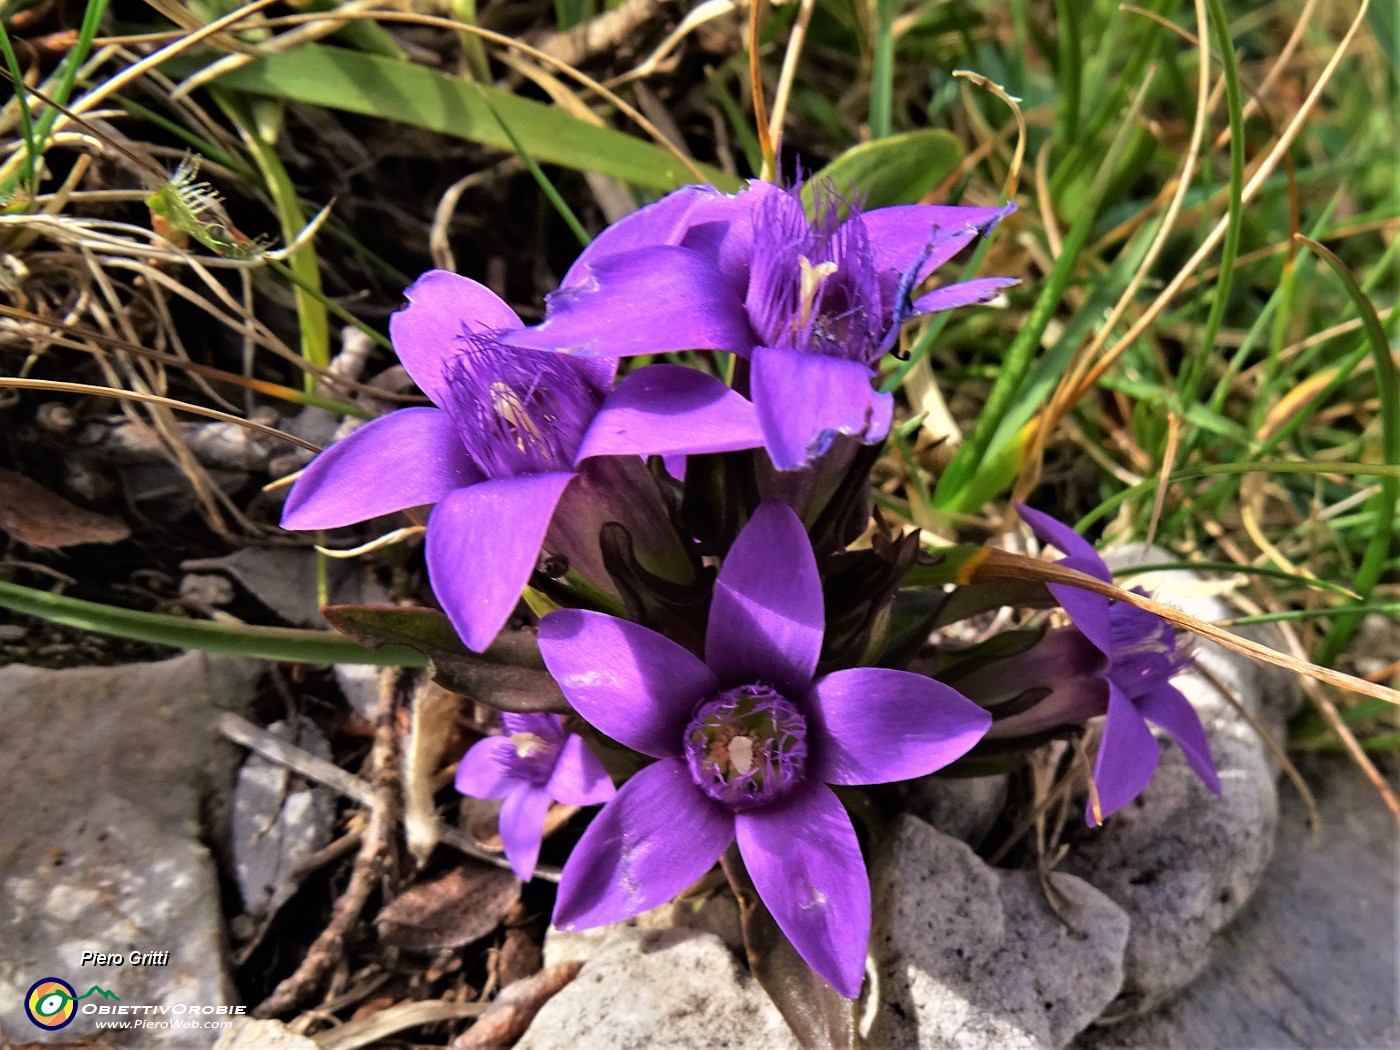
(536, 740)
(519, 411)
(1146, 649)
(815, 287)
(747, 747)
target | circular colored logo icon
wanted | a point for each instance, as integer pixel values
(50, 1003)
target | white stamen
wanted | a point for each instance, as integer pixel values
(526, 744)
(810, 284)
(741, 754)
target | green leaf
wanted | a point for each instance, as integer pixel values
(392, 89)
(895, 170)
(262, 643)
(509, 676)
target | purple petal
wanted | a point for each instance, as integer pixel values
(579, 778)
(873, 725)
(899, 236)
(649, 301)
(443, 306)
(664, 222)
(522, 828)
(722, 229)
(1057, 534)
(1127, 758)
(405, 459)
(1088, 611)
(767, 614)
(805, 399)
(628, 682)
(805, 862)
(667, 410)
(653, 840)
(483, 543)
(964, 293)
(486, 770)
(1166, 707)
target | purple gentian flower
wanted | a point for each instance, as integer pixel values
(534, 762)
(747, 743)
(1144, 654)
(497, 452)
(813, 304)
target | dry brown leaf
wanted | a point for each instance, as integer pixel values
(520, 956)
(34, 515)
(463, 906)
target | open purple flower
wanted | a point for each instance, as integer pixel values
(1144, 654)
(813, 303)
(534, 763)
(495, 455)
(747, 742)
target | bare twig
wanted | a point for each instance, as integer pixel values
(372, 862)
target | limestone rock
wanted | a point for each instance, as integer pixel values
(972, 957)
(1314, 959)
(278, 820)
(99, 848)
(1178, 860)
(717, 913)
(964, 807)
(660, 990)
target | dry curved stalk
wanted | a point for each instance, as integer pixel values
(373, 861)
(705, 12)
(131, 395)
(1018, 155)
(992, 564)
(789, 71)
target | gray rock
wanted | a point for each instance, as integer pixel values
(1314, 959)
(284, 579)
(968, 956)
(659, 990)
(359, 683)
(964, 807)
(1178, 860)
(716, 913)
(99, 846)
(278, 821)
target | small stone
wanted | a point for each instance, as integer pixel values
(964, 807)
(278, 821)
(1178, 860)
(973, 957)
(660, 990)
(359, 684)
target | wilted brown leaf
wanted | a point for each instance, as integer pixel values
(34, 515)
(464, 905)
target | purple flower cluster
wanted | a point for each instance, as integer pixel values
(746, 742)
(532, 444)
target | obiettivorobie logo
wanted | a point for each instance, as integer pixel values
(52, 1003)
